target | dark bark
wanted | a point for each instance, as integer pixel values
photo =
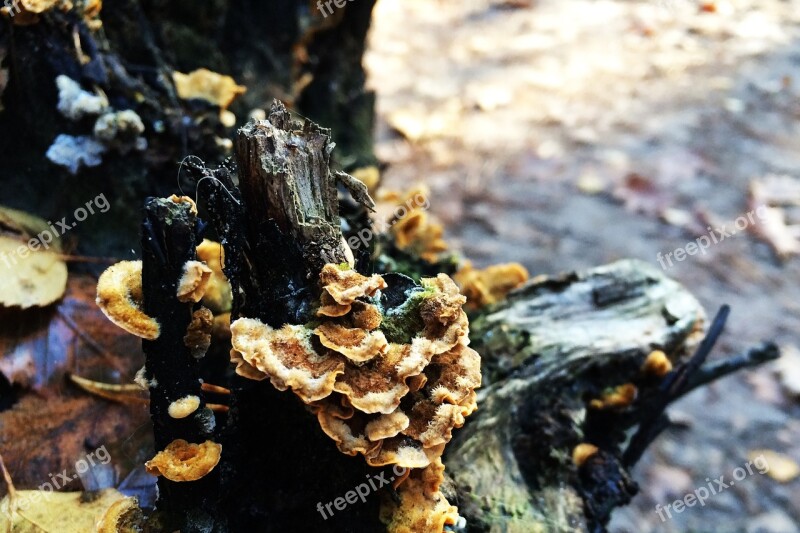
(169, 239)
(277, 226)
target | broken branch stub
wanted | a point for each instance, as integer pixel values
(285, 177)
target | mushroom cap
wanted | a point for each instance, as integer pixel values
(194, 281)
(123, 516)
(344, 286)
(218, 296)
(203, 84)
(287, 356)
(358, 345)
(490, 285)
(582, 452)
(184, 407)
(421, 507)
(619, 397)
(182, 461)
(657, 364)
(119, 296)
(39, 6)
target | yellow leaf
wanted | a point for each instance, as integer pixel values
(31, 267)
(56, 512)
(780, 467)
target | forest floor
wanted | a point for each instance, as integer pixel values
(565, 134)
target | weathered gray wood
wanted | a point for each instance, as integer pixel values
(552, 342)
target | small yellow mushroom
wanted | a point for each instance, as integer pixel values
(218, 295)
(583, 452)
(185, 200)
(618, 397)
(184, 407)
(657, 364)
(182, 461)
(203, 84)
(490, 285)
(119, 296)
(194, 281)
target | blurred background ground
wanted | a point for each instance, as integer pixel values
(565, 134)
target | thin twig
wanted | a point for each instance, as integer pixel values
(216, 389)
(12, 494)
(122, 393)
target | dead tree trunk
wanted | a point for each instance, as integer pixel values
(549, 349)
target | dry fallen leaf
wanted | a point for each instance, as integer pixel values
(30, 278)
(55, 512)
(40, 345)
(782, 468)
(41, 437)
(32, 270)
(48, 431)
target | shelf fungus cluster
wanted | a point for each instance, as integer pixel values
(387, 370)
(490, 285)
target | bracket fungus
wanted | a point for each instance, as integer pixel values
(218, 295)
(489, 285)
(123, 516)
(386, 369)
(119, 296)
(182, 461)
(194, 281)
